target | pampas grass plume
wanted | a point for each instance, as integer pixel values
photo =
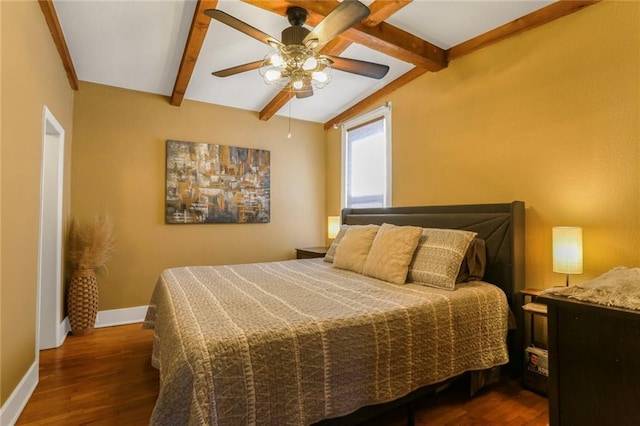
(90, 245)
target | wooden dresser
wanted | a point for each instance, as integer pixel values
(594, 363)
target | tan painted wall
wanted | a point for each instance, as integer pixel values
(119, 167)
(32, 76)
(550, 117)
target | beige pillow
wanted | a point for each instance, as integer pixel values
(438, 257)
(391, 252)
(354, 247)
(331, 252)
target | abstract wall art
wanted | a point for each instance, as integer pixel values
(210, 183)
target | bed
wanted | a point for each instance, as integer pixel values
(302, 341)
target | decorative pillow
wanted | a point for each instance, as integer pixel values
(331, 252)
(438, 257)
(391, 252)
(474, 262)
(354, 247)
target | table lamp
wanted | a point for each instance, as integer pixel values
(333, 226)
(567, 250)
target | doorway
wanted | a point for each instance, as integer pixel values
(51, 330)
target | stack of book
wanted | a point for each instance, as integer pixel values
(536, 373)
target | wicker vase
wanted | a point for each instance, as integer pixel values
(83, 301)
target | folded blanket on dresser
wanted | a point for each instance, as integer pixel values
(298, 341)
(619, 287)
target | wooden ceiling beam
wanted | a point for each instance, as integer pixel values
(197, 33)
(50, 15)
(375, 97)
(275, 104)
(334, 47)
(399, 44)
(383, 9)
(280, 7)
(532, 20)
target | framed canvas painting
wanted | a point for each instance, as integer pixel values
(210, 183)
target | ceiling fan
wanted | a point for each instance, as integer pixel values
(296, 62)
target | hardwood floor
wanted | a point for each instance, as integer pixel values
(106, 378)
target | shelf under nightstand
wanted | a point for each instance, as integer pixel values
(533, 308)
(533, 377)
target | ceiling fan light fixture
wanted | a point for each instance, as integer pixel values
(311, 44)
(272, 75)
(310, 64)
(319, 76)
(297, 67)
(276, 60)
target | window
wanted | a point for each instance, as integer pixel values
(366, 160)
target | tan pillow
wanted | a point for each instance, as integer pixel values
(331, 252)
(391, 252)
(354, 247)
(438, 257)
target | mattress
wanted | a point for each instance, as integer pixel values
(298, 341)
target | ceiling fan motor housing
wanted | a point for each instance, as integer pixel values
(293, 35)
(296, 32)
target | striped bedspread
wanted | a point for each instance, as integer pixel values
(298, 341)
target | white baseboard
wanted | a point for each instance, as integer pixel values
(12, 408)
(64, 328)
(121, 316)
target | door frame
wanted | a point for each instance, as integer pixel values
(51, 329)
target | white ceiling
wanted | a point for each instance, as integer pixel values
(138, 45)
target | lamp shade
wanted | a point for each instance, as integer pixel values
(567, 249)
(333, 226)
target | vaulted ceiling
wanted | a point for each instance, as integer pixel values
(171, 47)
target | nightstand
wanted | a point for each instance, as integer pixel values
(536, 362)
(310, 252)
(593, 359)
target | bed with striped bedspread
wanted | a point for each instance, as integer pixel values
(298, 341)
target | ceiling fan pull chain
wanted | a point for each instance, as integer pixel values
(289, 135)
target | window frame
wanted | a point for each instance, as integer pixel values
(384, 112)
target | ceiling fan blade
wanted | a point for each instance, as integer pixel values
(243, 27)
(237, 69)
(356, 66)
(344, 16)
(305, 92)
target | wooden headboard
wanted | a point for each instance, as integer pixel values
(500, 225)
